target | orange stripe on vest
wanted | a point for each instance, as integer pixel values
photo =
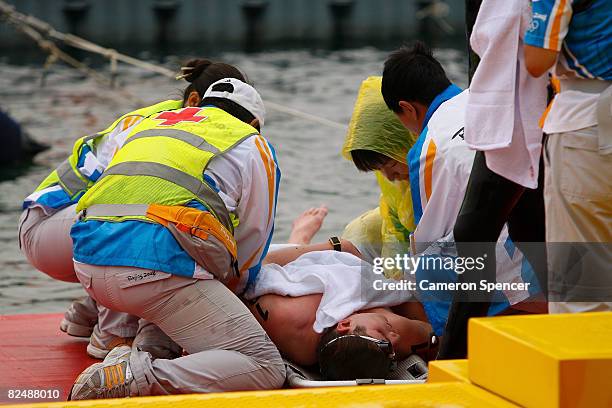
(193, 221)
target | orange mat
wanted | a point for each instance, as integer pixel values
(35, 354)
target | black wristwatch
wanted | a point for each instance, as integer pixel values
(335, 243)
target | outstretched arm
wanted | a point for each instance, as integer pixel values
(288, 254)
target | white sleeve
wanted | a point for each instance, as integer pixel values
(257, 205)
(107, 146)
(95, 155)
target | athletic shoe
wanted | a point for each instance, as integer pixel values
(112, 378)
(80, 318)
(100, 345)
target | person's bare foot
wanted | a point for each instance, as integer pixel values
(306, 225)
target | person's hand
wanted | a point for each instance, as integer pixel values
(347, 246)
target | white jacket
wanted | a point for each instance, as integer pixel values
(441, 170)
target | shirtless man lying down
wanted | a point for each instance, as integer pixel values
(326, 319)
(362, 343)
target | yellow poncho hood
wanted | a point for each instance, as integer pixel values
(374, 127)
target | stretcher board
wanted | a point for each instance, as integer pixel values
(412, 370)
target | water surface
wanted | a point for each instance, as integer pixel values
(322, 83)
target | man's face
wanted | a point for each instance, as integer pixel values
(394, 170)
(376, 326)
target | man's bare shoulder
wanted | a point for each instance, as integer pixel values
(296, 312)
(288, 321)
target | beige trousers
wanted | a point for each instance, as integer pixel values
(578, 201)
(45, 241)
(228, 349)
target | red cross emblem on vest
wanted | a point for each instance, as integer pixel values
(185, 115)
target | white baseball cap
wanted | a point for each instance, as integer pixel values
(239, 92)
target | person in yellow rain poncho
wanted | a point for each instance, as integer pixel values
(376, 140)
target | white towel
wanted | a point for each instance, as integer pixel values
(344, 280)
(505, 102)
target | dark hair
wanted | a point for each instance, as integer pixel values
(412, 74)
(202, 73)
(368, 160)
(351, 358)
(232, 108)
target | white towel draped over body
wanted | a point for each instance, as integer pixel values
(344, 280)
(505, 102)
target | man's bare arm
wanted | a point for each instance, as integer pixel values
(288, 254)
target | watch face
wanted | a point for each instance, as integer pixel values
(335, 241)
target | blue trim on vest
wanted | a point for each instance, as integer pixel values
(414, 163)
(132, 243)
(450, 92)
(56, 199)
(413, 158)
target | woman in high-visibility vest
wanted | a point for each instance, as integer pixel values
(175, 227)
(50, 211)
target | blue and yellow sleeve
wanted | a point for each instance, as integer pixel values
(549, 23)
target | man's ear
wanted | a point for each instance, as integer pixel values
(344, 326)
(193, 99)
(408, 109)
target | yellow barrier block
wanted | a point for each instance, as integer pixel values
(448, 370)
(544, 360)
(441, 395)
